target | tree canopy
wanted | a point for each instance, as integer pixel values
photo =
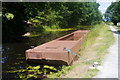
(40, 14)
(113, 13)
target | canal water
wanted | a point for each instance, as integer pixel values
(14, 64)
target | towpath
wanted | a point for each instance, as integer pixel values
(110, 62)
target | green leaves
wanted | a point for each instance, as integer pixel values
(67, 14)
(50, 14)
(9, 16)
(113, 13)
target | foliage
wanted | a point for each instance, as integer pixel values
(63, 70)
(85, 13)
(49, 14)
(102, 41)
(112, 12)
(9, 16)
(12, 21)
(65, 29)
(96, 36)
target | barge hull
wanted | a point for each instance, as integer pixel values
(53, 52)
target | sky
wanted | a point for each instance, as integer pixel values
(104, 4)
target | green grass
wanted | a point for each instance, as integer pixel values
(95, 46)
(62, 71)
(65, 29)
(38, 31)
(96, 43)
(91, 73)
(103, 37)
(99, 31)
(56, 28)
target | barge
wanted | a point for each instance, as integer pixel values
(53, 53)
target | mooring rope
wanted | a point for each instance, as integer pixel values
(72, 53)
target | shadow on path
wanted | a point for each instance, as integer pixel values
(116, 32)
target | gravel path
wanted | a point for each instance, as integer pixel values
(110, 62)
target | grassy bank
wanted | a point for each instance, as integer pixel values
(37, 31)
(94, 48)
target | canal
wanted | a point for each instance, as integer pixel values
(14, 64)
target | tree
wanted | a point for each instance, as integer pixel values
(113, 13)
(13, 16)
(46, 14)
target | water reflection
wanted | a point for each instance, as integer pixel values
(14, 64)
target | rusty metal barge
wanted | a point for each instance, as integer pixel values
(52, 52)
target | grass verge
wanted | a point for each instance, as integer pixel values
(34, 34)
(94, 48)
(43, 29)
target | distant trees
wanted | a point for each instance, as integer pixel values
(113, 13)
(68, 14)
(48, 14)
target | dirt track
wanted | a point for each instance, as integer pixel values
(110, 62)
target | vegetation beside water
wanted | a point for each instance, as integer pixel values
(95, 44)
(47, 29)
(40, 17)
(53, 17)
(112, 13)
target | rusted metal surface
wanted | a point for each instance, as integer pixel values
(52, 52)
